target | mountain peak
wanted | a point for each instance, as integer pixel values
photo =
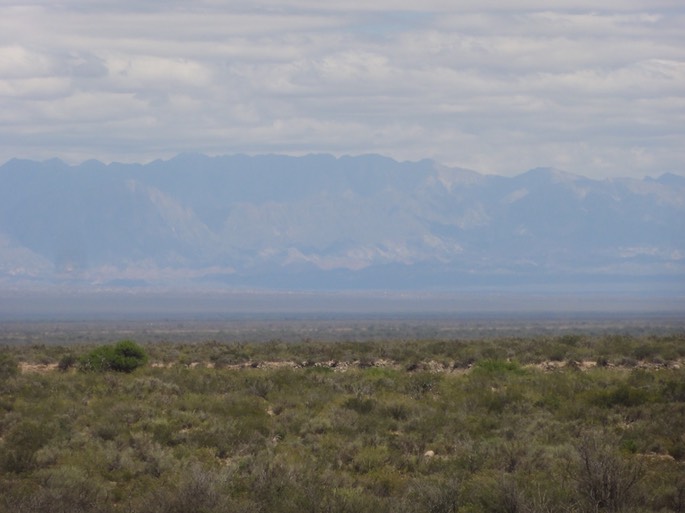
(55, 163)
(190, 156)
(93, 164)
(551, 173)
(671, 179)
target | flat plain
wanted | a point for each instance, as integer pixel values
(351, 413)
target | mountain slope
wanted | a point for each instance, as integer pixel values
(321, 221)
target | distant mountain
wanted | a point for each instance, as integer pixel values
(335, 223)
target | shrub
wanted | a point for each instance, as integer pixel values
(621, 395)
(498, 366)
(398, 411)
(605, 479)
(503, 437)
(571, 339)
(17, 454)
(199, 489)
(644, 352)
(499, 494)
(67, 362)
(360, 405)
(124, 356)
(422, 383)
(673, 390)
(8, 366)
(69, 489)
(438, 495)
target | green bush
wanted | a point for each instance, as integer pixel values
(621, 395)
(8, 366)
(360, 405)
(497, 366)
(124, 356)
(606, 479)
(67, 362)
(18, 451)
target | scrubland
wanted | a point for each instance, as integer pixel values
(572, 423)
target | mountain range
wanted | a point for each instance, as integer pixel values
(321, 222)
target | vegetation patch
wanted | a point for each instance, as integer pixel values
(124, 356)
(514, 430)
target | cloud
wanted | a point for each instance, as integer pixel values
(498, 88)
(18, 62)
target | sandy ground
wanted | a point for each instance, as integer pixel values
(342, 366)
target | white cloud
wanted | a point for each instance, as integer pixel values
(498, 88)
(19, 62)
(36, 88)
(142, 73)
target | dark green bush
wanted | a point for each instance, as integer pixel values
(360, 405)
(673, 390)
(124, 356)
(621, 395)
(67, 362)
(645, 351)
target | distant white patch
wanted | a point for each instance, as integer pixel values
(473, 218)
(517, 195)
(636, 251)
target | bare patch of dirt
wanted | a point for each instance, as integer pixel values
(342, 366)
(39, 368)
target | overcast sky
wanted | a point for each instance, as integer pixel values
(481, 85)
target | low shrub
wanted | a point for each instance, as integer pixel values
(621, 395)
(67, 362)
(503, 436)
(360, 405)
(606, 479)
(124, 356)
(498, 366)
(17, 453)
(8, 366)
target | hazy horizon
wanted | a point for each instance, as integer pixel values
(581, 303)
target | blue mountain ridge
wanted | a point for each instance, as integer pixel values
(324, 222)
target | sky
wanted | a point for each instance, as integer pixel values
(495, 86)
